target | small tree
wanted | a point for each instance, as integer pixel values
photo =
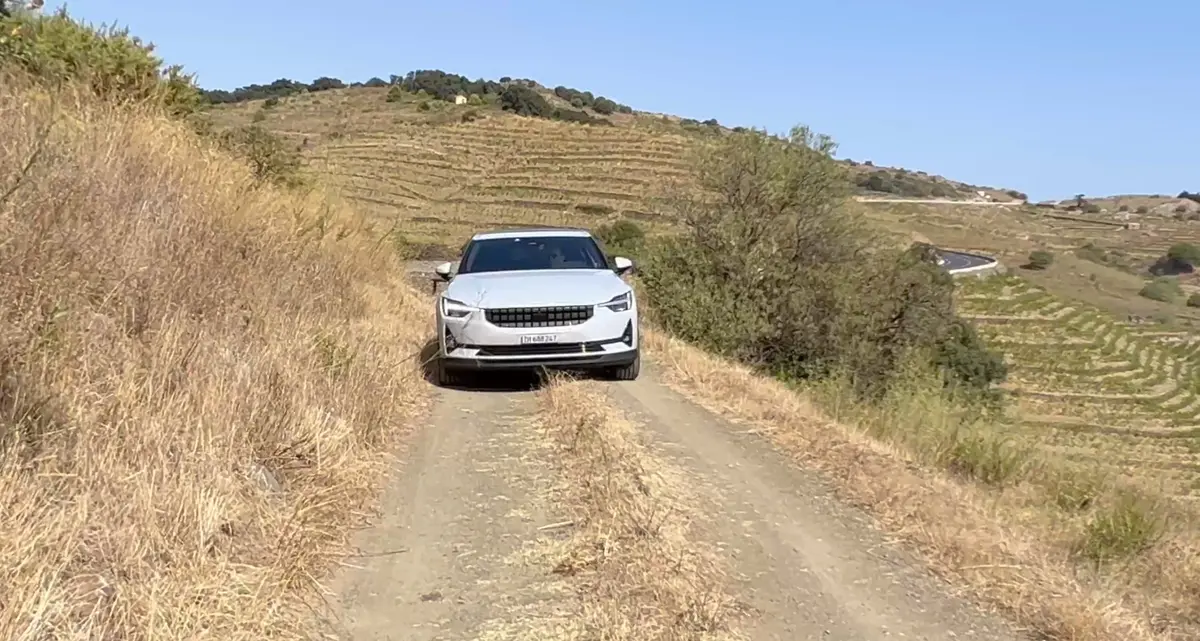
(1185, 253)
(1163, 289)
(524, 101)
(1039, 260)
(269, 156)
(604, 106)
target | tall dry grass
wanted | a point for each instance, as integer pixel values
(641, 571)
(1069, 554)
(198, 377)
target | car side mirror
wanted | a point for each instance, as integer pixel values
(622, 265)
(443, 270)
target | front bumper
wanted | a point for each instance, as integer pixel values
(606, 339)
(589, 362)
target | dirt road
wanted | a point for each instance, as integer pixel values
(451, 557)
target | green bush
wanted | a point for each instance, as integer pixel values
(1040, 259)
(108, 61)
(582, 117)
(395, 94)
(773, 271)
(270, 156)
(1193, 300)
(623, 237)
(604, 106)
(1184, 253)
(1163, 289)
(524, 101)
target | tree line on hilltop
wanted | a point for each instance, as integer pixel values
(436, 83)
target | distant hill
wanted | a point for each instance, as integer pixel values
(528, 97)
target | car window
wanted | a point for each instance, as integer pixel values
(532, 253)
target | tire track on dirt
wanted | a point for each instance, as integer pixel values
(444, 559)
(472, 538)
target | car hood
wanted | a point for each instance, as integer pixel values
(536, 288)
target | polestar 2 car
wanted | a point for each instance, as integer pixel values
(529, 299)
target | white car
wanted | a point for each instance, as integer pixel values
(537, 298)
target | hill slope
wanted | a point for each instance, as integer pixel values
(447, 168)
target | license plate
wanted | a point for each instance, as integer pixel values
(539, 339)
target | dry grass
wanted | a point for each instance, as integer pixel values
(198, 379)
(1068, 554)
(640, 571)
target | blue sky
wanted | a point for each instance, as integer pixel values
(1051, 97)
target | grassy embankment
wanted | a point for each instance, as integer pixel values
(200, 373)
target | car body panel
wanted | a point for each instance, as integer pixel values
(548, 287)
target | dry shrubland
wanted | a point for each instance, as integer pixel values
(199, 375)
(641, 571)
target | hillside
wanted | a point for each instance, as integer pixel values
(447, 168)
(402, 151)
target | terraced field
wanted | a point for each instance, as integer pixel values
(447, 180)
(1095, 390)
(441, 175)
(439, 171)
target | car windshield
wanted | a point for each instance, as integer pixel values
(532, 252)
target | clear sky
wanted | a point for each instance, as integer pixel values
(1051, 97)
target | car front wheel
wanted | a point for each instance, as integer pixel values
(627, 372)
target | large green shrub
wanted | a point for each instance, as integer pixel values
(1039, 259)
(774, 271)
(524, 101)
(1185, 253)
(107, 60)
(623, 237)
(1164, 289)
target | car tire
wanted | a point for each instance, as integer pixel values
(627, 372)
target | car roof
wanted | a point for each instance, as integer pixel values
(531, 232)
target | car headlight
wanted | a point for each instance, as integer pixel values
(454, 309)
(620, 303)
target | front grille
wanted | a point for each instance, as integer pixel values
(550, 349)
(539, 316)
